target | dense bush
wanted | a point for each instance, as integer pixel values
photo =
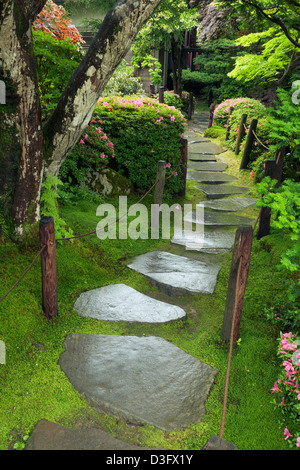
(123, 82)
(180, 102)
(143, 131)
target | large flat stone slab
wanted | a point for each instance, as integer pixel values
(198, 157)
(207, 166)
(119, 302)
(139, 379)
(217, 219)
(177, 275)
(52, 436)
(221, 190)
(210, 242)
(231, 204)
(209, 177)
(206, 148)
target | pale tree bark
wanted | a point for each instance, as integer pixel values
(31, 152)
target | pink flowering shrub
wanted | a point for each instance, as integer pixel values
(93, 151)
(286, 389)
(144, 132)
(248, 106)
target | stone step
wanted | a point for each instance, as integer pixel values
(215, 218)
(209, 242)
(231, 204)
(198, 157)
(209, 177)
(220, 190)
(119, 302)
(177, 275)
(138, 379)
(207, 166)
(206, 148)
(52, 436)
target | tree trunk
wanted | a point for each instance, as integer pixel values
(176, 54)
(28, 151)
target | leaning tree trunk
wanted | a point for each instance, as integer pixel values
(21, 154)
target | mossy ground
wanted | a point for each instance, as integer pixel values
(33, 387)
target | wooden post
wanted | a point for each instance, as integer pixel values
(48, 265)
(190, 109)
(161, 95)
(241, 133)
(152, 89)
(184, 153)
(279, 165)
(248, 146)
(228, 122)
(211, 113)
(265, 212)
(237, 282)
(160, 178)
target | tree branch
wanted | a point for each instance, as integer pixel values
(78, 101)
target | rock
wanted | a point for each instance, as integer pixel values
(206, 148)
(177, 275)
(219, 190)
(108, 181)
(231, 204)
(210, 177)
(213, 242)
(217, 443)
(140, 379)
(119, 302)
(51, 436)
(207, 166)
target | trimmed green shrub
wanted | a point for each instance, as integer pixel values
(123, 82)
(143, 132)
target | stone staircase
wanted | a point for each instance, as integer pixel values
(148, 380)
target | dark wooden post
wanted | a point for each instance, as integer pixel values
(160, 178)
(184, 153)
(265, 212)
(248, 146)
(211, 113)
(161, 95)
(279, 165)
(190, 109)
(237, 282)
(152, 89)
(48, 264)
(241, 133)
(228, 122)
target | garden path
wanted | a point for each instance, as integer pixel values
(148, 380)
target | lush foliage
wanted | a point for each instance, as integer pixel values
(92, 153)
(243, 105)
(287, 388)
(53, 19)
(123, 82)
(143, 132)
(180, 102)
(56, 61)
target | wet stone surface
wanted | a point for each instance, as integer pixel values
(210, 177)
(220, 190)
(217, 218)
(207, 166)
(206, 148)
(230, 204)
(177, 275)
(210, 242)
(119, 302)
(198, 157)
(149, 380)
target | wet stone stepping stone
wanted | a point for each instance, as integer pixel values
(217, 218)
(119, 302)
(221, 190)
(231, 204)
(210, 177)
(206, 148)
(198, 157)
(177, 275)
(209, 242)
(138, 379)
(207, 166)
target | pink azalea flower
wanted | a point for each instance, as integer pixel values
(298, 442)
(81, 141)
(287, 433)
(151, 151)
(172, 118)
(86, 136)
(251, 174)
(275, 388)
(168, 165)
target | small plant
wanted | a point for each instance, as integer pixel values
(286, 389)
